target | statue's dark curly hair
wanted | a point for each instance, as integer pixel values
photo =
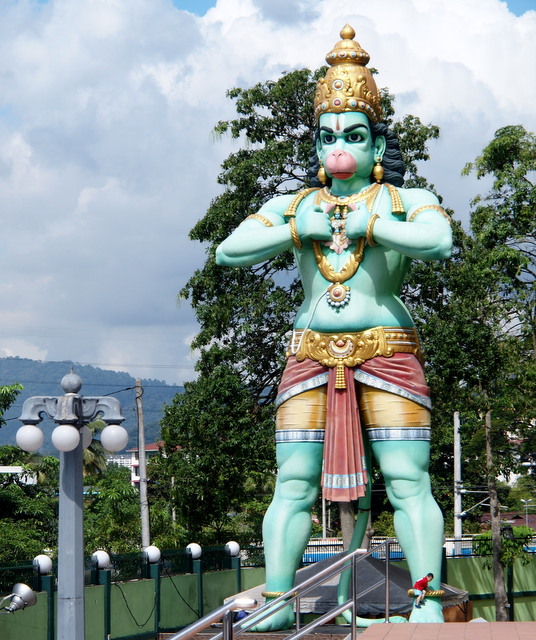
(392, 163)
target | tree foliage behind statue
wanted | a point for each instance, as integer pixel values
(475, 314)
(245, 315)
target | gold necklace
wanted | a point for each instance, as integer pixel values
(338, 294)
(368, 194)
(338, 209)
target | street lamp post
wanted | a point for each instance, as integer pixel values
(71, 413)
(527, 505)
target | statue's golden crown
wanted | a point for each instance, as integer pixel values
(348, 85)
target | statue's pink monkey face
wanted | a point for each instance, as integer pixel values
(345, 146)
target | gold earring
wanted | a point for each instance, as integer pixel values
(378, 172)
(322, 175)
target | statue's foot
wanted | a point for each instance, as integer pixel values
(281, 619)
(432, 612)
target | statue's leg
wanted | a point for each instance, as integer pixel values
(396, 427)
(287, 523)
(418, 519)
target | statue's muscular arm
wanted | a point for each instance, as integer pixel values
(254, 241)
(428, 237)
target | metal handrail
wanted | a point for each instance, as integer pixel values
(223, 613)
(295, 594)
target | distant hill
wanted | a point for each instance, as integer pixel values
(43, 379)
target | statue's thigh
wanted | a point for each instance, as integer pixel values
(398, 431)
(305, 411)
(380, 409)
(300, 423)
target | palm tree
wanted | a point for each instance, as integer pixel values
(94, 457)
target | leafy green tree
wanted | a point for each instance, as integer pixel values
(475, 314)
(112, 512)
(28, 511)
(384, 525)
(213, 442)
(8, 394)
(512, 548)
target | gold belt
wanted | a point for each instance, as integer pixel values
(352, 349)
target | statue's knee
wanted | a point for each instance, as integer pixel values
(296, 489)
(409, 486)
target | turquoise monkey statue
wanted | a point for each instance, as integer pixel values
(354, 383)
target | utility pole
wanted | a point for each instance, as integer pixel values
(457, 485)
(142, 470)
(501, 600)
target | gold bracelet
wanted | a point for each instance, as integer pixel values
(428, 207)
(257, 216)
(294, 233)
(369, 231)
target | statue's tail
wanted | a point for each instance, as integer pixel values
(363, 512)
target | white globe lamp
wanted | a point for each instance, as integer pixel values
(194, 550)
(232, 548)
(65, 437)
(29, 437)
(152, 554)
(114, 438)
(100, 559)
(43, 564)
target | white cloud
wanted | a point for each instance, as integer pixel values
(107, 159)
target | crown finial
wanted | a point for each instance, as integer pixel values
(347, 32)
(348, 85)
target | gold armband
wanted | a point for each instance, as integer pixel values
(427, 207)
(294, 233)
(370, 230)
(293, 207)
(257, 216)
(275, 594)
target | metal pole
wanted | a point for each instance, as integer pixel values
(228, 626)
(142, 470)
(198, 568)
(457, 485)
(71, 624)
(387, 602)
(105, 579)
(236, 564)
(154, 570)
(47, 584)
(353, 628)
(510, 589)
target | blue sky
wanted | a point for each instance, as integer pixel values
(107, 157)
(518, 7)
(200, 7)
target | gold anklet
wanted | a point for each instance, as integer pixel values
(276, 594)
(429, 594)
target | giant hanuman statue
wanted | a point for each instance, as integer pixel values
(354, 381)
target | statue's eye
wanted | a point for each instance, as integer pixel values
(355, 137)
(328, 138)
